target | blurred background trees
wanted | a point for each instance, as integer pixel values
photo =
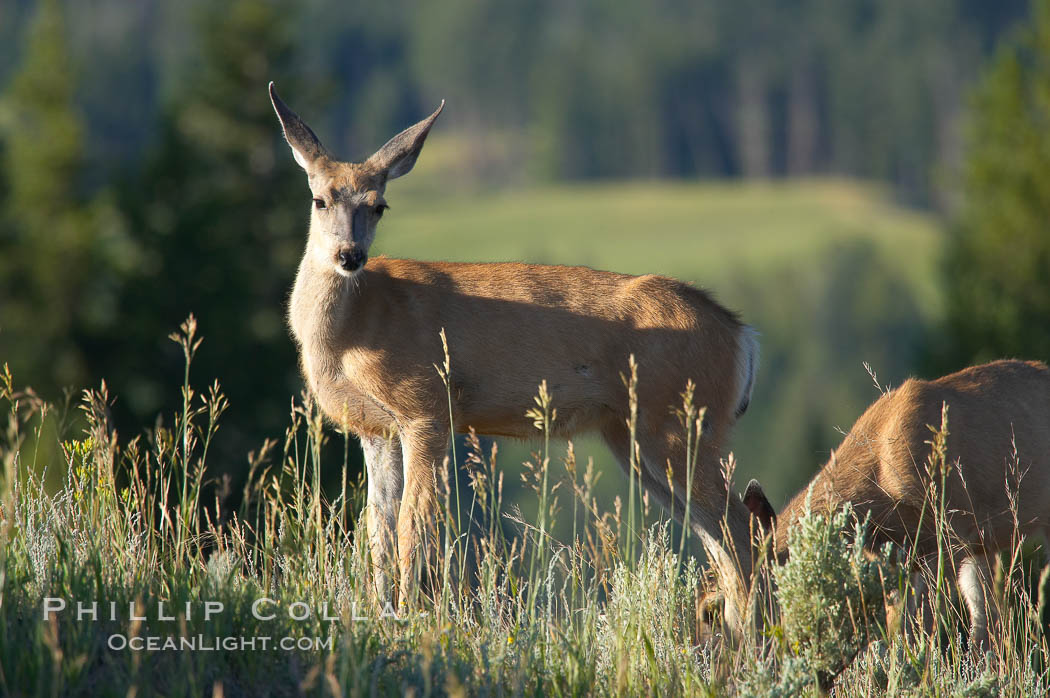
(592, 89)
(142, 177)
(997, 266)
(52, 254)
(214, 208)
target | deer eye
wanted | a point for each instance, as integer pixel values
(319, 204)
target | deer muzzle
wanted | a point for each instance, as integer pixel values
(351, 259)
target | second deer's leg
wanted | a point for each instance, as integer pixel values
(424, 447)
(975, 579)
(385, 473)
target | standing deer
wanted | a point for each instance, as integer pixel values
(368, 336)
(881, 468)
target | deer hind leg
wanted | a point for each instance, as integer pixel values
(975, 580)
(657, 450)
(664, 447)
(716, 515)
(385, 480)
(617, 438)
(652, 469)
(424, 446)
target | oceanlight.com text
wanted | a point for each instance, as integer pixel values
(203, 643)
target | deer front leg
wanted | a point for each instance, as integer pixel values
(385, 483)
(425, 445)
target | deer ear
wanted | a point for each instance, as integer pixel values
(398, 156)
(306, 148)
(759, 506)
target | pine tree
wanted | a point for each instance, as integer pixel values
(998, 264)
(47, 251)
(220, 213)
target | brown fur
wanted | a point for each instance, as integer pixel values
(881, 467)
(369, 341)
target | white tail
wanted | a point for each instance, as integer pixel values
(998, 453)
(368, 334)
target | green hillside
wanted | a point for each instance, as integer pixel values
(704, 232)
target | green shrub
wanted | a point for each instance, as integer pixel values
(831, 594)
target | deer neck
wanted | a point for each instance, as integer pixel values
(819, 497)
(322, 300)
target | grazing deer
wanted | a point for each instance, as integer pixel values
(368, 336)
(998, 454)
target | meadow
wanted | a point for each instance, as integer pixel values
(610, 605)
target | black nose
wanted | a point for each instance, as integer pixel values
(352, 260)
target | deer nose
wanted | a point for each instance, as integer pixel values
(352, 260)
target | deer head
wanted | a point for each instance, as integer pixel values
(348, 197)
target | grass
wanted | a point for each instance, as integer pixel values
(567, 584)
(614, 610)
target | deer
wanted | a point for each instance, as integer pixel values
(997, 486)
(369, 329)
